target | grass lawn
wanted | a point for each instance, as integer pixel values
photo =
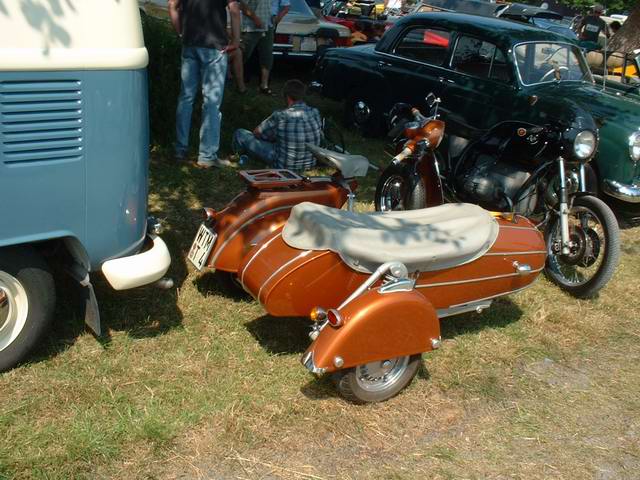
(190, 383)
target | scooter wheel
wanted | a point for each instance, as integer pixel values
(377, 381)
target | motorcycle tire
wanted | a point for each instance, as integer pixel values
(412, 192)
(606, 218)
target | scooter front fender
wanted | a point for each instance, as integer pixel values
(376, 326)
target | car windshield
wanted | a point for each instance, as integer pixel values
(301, 7)
(543, 62)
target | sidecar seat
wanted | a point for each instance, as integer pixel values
(349, 165)
(424, 240)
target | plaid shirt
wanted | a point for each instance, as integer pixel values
(290, 130)
(262, 9)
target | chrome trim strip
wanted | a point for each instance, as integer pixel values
(532, 252)
(282, 267)
(244, 225)
(626, 193)
(482, 279)
(478, 306)
(262, 247)
(495, 296)
(513, 227)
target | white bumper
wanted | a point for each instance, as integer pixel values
(141, 269)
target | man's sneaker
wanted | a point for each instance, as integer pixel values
(217, 163)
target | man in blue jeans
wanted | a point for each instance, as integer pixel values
(281, 140)
(202, 25)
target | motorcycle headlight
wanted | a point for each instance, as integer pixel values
(584, 145)
(634, 146)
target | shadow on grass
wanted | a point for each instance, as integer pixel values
(502, 313)
(281, 335)
(220, 283)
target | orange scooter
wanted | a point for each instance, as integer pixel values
(226, 236)
(376, 285)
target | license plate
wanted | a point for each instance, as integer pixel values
(202, 246)
(308, 44)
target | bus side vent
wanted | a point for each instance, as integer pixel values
(40, 121)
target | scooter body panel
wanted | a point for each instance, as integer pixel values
(290, 282)
(255, 213)
(377, 326)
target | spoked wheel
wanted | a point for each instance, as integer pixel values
(399, 188)
(27, 301)
(594, 252)
(377, 381)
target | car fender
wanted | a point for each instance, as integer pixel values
(377, 326)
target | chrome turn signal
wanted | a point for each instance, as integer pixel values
(209, 214)
(317, 314)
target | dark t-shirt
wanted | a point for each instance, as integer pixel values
(204, 23)
(592, 25)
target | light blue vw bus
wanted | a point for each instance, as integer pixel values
(74, 135)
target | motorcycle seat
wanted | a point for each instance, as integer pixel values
(349, 165)
(424, 240)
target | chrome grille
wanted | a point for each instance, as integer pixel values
(40, 121)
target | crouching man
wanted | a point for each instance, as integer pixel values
(280, 140)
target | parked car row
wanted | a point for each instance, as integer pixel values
(487, 71)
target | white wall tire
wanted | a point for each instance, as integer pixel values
(27, 302)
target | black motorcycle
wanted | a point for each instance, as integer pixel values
(540, 172)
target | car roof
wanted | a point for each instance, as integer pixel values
(502, 32)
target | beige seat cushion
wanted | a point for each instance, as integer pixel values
(349, 165)
(424, 240)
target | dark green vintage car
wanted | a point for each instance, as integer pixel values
(488, 71)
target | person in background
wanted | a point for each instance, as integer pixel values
(614, 27)
(358, 35)
(281, 140)
(256, 35)
(279, 8)
(202, 25)
(591, 26)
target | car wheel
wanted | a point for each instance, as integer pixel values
(27, 302)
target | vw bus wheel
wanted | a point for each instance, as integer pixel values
(399, 188)
(27, 301)
(595, 250)
(377, 381)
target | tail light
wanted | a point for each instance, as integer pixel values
(334, 318)
(280, 38)
(209, 215)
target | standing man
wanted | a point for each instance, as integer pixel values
(591, 26)
(256, 35)
(202, 25)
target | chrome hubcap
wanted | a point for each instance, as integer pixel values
(381, 375)
(392, 194)
(361, 112)
(14, 308)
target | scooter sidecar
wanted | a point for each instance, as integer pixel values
(389, 279)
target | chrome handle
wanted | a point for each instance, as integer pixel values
(522, 269)
(443, 79)
(383, 64)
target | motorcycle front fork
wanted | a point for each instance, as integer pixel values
(564, 203)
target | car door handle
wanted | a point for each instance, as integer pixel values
(443, 80)
(382, 64)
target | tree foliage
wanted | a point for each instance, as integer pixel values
(612, 6)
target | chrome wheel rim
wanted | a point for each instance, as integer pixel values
(381, 375)
(14, 308)
(392, 197)
(587, 251)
